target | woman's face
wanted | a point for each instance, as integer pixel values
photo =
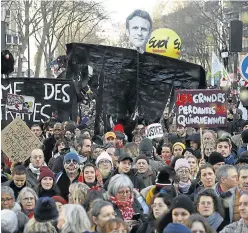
(116, 229)
(61, 219)
(47, 183)
(180, 215)
(89, 175)
(28, 201)
(106, 213)
(166, 153)
(61, 146)
(123, 194)
(68, 135)
(59, 206)
(159, 207)
(208, 149)
(197, 227)
(205, 206)
(178, 150)
(184, 174)
(192, 164)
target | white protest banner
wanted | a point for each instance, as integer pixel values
(20, 103)
(154, 131)
(18, 141)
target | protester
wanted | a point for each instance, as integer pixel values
(198, 224)
(19, 179)
(27, 200)
(216, 159)
(45, 217)
(73, 219)
(84, 149)
(37, 131)
(192, 160)
(132, 149)
(59, 201)
(77, 193)
(176, 228)
(177, 149)
(115, 225)
(91, 196)
(224, 147)
(166, 153)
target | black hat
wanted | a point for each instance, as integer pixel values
(45, 210)
(194, 137)
(125, 157)
(188, 149)
(215, 157)
(243, 158)
(165, 175)
(142, 157)
(146, 145)
(244, 124)
(184, 202)
(244, 136)
(119, 135)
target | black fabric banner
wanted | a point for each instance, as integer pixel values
(124, 79)
(51, 96)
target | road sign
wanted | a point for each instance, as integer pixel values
(244, 67)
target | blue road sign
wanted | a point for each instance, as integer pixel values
(244, 67)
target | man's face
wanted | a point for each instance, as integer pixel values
(224, 148)
(243, 180)
(37, 158)
(57, 131)
(193, 145)
(207, 177)
(50, 130)
(86, 148)
(19, 180)
(36, 131)
(181, 131)
(7, 201)
(245, 127)
(142, 165)
(208, 137)
(243, 206)
(124, 166)
(138, 31)
(71, 167)
(232, 179)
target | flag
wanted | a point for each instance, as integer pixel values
(216, 65)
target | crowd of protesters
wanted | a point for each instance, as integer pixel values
(78, 182)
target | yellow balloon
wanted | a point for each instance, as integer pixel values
(164, 41)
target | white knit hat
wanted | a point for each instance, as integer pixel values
(181, 163)
(104, 155)
(9, 221)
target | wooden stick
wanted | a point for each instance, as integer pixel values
(202, 147)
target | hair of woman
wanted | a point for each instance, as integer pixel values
(78, 192)
(26, 190)
(114, 224)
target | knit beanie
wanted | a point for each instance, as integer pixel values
(119, 127)
(146, 145)
(176, 228)
(9, 221)
(45, 210)
(142, 157)
(184, 202)
(215, 157)
(59, 199)
(104, 155)
(45, 172)
(182, 163)
(178, 144)
(165, 175)
(71, 156)
(244, 136)
(243, 158)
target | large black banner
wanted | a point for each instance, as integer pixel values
(51, 96)
(124, 80)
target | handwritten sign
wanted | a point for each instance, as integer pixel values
(20, 103)
(201, 108)
(18, 141)
(154, 131)
(50, 95)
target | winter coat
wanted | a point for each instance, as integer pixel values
(147, 227)
(32, 178)
(11, 184)
(22, 218)
(49, 144)
(236, 227)
(148, 177)
(242, 149)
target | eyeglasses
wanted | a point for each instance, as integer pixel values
(27, 199)
(104, 161)
(186, 171)
(75, 162)
(122, 193)
(6, 200)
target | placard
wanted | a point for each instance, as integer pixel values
(18, 141)
(201, 108)
(50, 95)
(154, 131)
(20, 103)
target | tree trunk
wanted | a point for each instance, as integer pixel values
(39, 55)
(19, 69)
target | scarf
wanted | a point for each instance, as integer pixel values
(125, 207)
(230, 159)
(184, 187)
(34, 170)
(222, 194)
(214, 220)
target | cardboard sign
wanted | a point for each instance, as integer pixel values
(201, 108)
(154, 131)
(18, 141)
(47, 96)
(20, 103)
